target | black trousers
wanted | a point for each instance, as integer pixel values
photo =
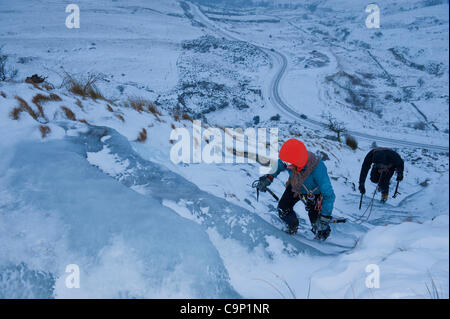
(286, 208)
(382, 178)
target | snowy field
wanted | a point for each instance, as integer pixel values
(86, 176)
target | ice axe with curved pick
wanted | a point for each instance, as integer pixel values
(396, 190)
(255, 184)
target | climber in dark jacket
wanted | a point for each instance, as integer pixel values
(385, 162)
(308, 182)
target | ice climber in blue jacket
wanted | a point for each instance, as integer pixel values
(308, 182)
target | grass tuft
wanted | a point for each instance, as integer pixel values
(40, 99)
(69, 114)
(432, 289)
(142, 136)
(48, 86)
(79, 104)
(141, 104)
(120, 117)
(187, 117)
(84, 86)
(152, 109)
(45, 130)
(15, 113)
(351, 142)
(25, 107)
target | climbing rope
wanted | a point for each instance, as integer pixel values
(369, 208)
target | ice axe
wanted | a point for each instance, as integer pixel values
(255, 184)
(396, 190)
(338, 220)
(273, 194)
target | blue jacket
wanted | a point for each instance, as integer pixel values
(318, 179)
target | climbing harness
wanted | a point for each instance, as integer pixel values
(304, 198)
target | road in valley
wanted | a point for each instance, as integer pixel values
(278, 102)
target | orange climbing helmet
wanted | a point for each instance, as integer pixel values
(294, 152)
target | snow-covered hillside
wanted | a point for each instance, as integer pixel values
(85, 170)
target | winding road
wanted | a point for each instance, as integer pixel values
(279, 103)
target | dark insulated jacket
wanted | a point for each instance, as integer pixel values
(381, 157)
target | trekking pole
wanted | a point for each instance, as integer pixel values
(396, 190)
(360, 201)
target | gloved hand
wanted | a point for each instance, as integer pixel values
(321, 227)
(362, 189)
(399, 176)
(264, 182)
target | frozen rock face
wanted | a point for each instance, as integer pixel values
(121, 231)
(229, 220)
(65, 211)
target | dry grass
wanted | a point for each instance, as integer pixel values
(25, 107)
(95, 94)
(47, 86)
(109, 108)
(45, 130)
(140, 105)
(136, 103)
(432, 289)
(274, 286)
(152, 109)
(40, 99)
(84, 121)
(41, 111)
(2, 94)
(120, 117)
(15, 113)
(142, 136)
(84, 86)
(176, 117)
(79, 104)
(351, 142)
(69, 114)
(35, 85)
(187, 117)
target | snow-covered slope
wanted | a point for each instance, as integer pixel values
(88, 180)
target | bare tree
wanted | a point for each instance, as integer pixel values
(6, 73)
(335, 126)
(3, 71)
